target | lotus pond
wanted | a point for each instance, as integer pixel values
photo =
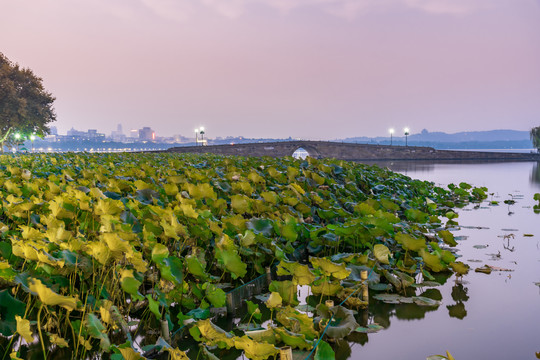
(131, 256)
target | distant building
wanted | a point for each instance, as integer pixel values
(147, 134)
(118, 135)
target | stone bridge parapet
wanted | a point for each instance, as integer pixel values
(352, 152)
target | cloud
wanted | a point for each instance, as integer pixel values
(177, 10)
(349, 9)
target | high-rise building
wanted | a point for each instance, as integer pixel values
(147, 134)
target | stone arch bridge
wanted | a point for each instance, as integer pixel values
(351, 151)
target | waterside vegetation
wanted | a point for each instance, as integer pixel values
(99, 249)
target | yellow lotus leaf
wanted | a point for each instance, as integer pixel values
(49, 297)
(58, 234)
(56, 207)
(170, 189)
(13, 199)
(115, 243)
(382, 253)
(177, 354)
(108, 207)
(130, 354)
(13, 356)
(25, 206)
(212, 334)
(23, 328)
(58, 341)
(339, 271)
(106, 315)
(189, 211)
(302, 275)
(12, 187)
(255, 350)
(172, 228)
(47, 259)
(85, 343)
(30, 233)
(275, 300)
(136, 259)
(99, 251)
(96, 193)
(4, 265)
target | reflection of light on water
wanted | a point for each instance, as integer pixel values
(300, 153)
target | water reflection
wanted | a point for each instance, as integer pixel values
(535, 173)
(459, 295)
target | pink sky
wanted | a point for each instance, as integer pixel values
(314, 69)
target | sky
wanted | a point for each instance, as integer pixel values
(309, 69)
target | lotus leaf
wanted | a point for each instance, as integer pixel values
(96, 329)
(58, 341)
(293, 340)
(432, 261)
(255, 350)
(297, 322)
(410, 243)
(275, 300)
(339, 271)
(227, 256)
(23, 328)
(49, 297)
(382, 253)
(302, 275)
(287, 291)
(205, 330)
(324, 351)
(215, 295)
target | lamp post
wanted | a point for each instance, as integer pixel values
(17, 138)
(391, 131)
(406, 130)
(202, 135)
(196, 137)
(32, 138)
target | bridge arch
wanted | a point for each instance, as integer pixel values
(312, 151)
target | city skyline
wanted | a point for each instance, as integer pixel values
(301, 68)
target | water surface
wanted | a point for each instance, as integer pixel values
(494, 316)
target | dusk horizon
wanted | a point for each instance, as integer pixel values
(302, 69)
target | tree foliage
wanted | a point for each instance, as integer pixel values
(25, 105)
(535, 137)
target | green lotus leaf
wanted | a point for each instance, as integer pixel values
(228, 257)
(215, 295)
(159, 253)
(447, 237)
(344, 323)
(96, 330)
(293, 340)
(324, 352)
(286, 289)
(432, 261)
(171, 269)
(9, 309)
(195, 267)
(410, 243)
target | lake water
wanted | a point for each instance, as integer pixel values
(495, 316)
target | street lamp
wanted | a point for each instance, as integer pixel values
(202, 135)
(391, 131)
(406, 130)
(196, 136)
(32, 138)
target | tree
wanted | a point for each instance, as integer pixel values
(535, 137)
(25, 106)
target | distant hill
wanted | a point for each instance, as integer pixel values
(492, 139)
